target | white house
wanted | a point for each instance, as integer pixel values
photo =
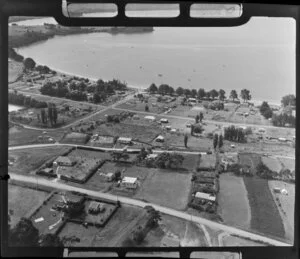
(125, 141)
(205, 196)
(129, 182)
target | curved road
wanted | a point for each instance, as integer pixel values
(142, 204)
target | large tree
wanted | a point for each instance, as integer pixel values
(50, 240)
(215, 142)
(288, 100)
(233, 95)
(194, 93)
(201, 93)
(24, 234)
(153, 88)
(265, 110)
(214, 93)
(179, 91)
(245, 95)
(186, 140)
(29, 63)
(222, 94)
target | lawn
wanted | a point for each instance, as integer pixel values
(28, 160)
(233, 201)
(21, 136)
(272, 163)
(166, 188)
(21, 200)
(287, 206)
(79, 152)
(265, 217)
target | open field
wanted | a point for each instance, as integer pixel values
(287, 163)
(21, 200)
(75, 138)
(190, 161)
(21, 136)
(272, 163)
(286, 207)
(28, 160)
(207, 161)
(233, 204)
(265, 217)
(162, 186)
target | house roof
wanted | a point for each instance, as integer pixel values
(152, 156)
(160, 137)
(94, 205)
(127, 179)
(150, 117)
(205, 196)
(64, 160)
(125, 139)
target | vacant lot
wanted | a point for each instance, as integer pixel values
(75, 138)
(78, 152)
(233, 201)
(286, 207)
(162, 186)
(250, 160)
(21, 136)
(28, 160)
(21, 200)
(265, 217)
(272, 163)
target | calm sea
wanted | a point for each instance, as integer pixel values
(259, 56)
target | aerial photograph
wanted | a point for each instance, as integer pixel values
(151, 136)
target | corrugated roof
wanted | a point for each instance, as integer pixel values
(205, 196)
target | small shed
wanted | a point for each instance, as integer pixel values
(163, 120)
(151, 118)
(160, 139)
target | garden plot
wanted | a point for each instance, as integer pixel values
(233, 202)
(265, 217)
(272, 163)
(80, 152)
(161, 186)
(75, 138)
(28, 160)
(21, 200)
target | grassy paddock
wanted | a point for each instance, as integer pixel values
(265, 217)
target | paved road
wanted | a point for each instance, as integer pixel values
(142, 204)
(130, 150)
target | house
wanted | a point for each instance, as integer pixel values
(205, 196)
(173, 130)
(163, 120)
(64, 161)
(192, 100)
(282, 139)
(126, 141)
(160, 139)
(129, 182)
(168, 127)
(151, 118)
(96, 207)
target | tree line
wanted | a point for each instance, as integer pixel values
(78, 90)
(27, 101)
(50, 115)
(213, 94)
(234, 134)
